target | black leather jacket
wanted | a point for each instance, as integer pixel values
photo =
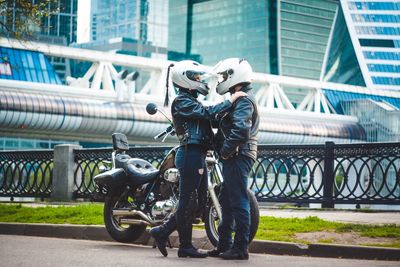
(192, 120)
(238, 128)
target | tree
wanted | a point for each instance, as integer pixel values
(20, 19)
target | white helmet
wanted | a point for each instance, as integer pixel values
(231, 72)
(188, 74)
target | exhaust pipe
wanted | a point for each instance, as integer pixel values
(134, 222)
(131, 213)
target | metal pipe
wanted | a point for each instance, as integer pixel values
(134, 222)
(134, 213)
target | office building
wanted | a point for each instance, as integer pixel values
(287, 37)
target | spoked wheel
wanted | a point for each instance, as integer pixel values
(119, 232)
(212, 221)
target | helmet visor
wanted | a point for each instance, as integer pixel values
(206, 78)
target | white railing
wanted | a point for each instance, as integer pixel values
(103, 76)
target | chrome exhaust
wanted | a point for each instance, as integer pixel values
(134, 222)
(130, 213)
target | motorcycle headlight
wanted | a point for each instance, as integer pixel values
(172, 175)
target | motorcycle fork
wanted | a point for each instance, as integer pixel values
(211, 190)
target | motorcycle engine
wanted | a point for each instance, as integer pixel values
(172, 175)
(169, 185)
(169, 188)
(162, 209)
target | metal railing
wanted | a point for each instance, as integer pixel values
(26, 173)
(89, 160)
(328, 174)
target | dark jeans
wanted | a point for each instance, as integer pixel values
(235, 203)
(190, 160)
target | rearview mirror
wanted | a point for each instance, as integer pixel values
(151, 108)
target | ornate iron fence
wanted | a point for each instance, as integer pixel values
(328, 174)
(89, 160)
(26, 173)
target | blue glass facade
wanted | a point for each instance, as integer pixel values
(376, 26)
(23, 65)
(335, 97)
(341, 61)
(305, 27)
(387, 18)
(213, 30)
(384, 68)
(389, 5)
(382, 55)
(385, 80)
(288, 41)
(378, 30)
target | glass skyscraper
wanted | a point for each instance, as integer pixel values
(286, 37)
(145, 21)
(304, 28)
(346, 41)
(369, 32)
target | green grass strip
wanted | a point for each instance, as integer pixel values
(89, 214)
(270, 228)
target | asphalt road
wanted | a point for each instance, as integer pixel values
(40, 251)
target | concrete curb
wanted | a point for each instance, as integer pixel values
(200, 240)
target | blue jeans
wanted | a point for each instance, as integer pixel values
(190, 161)
(235, 203)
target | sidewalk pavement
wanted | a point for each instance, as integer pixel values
(200, 240)
(345, 216)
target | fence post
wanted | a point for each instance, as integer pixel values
(63, 172)
(329, 176)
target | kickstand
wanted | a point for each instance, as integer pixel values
(154, 244)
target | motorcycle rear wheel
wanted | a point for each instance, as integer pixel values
(212, 221)
(119, 232)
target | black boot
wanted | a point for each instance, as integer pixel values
(161, 234)
(186, 248)
(184, 225)
(235, 254)
(216, 252)
(191, 252)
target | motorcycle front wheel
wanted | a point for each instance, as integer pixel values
(212, 221)
(119, 232)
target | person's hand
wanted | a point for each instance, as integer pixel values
(236, 95)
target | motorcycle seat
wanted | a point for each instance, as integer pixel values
(139, 171)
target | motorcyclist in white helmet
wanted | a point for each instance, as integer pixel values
(191, 120)
(236, 141)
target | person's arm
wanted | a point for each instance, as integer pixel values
(188, 107)
(240, 132)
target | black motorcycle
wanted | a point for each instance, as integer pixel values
(138, 195)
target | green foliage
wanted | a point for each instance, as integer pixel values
(21, 18)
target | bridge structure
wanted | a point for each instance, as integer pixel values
(108, 98)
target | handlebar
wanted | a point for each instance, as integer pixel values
(169, 131)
